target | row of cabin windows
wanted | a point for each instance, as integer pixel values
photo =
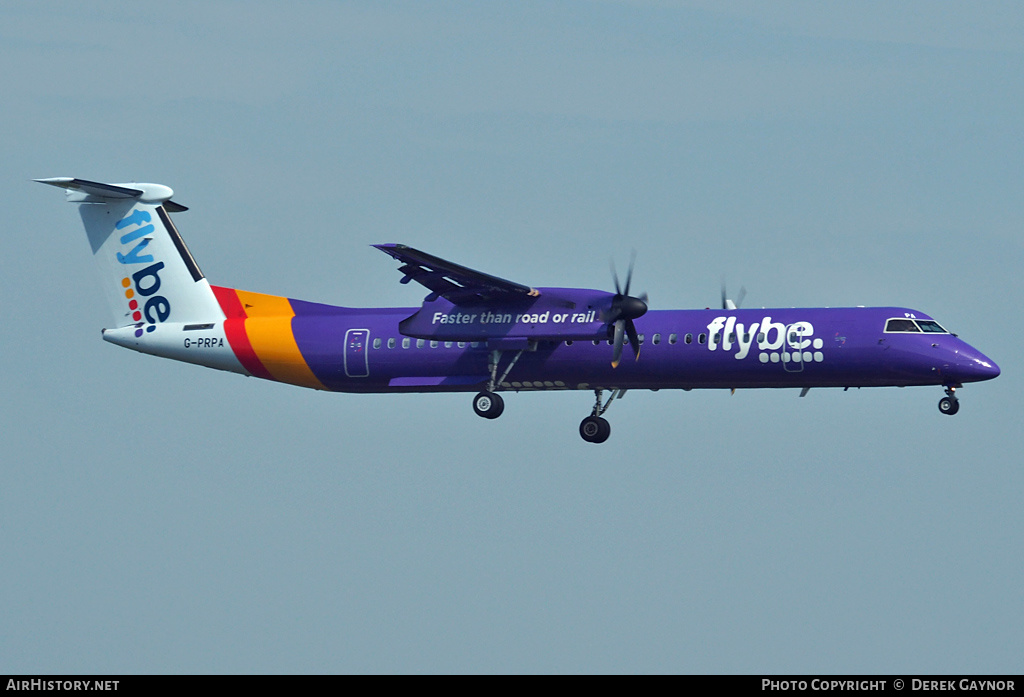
(420, 343)
(655, 339)
(893, 325)
(701, 338)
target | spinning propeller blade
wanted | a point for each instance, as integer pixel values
(623, 310)
(617, 343)
(728, 303)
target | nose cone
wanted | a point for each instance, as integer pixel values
(974, 366)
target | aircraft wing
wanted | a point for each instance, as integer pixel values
(454, 283)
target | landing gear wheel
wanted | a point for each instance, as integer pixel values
(594, 429)
(488, 405)
(949, 405)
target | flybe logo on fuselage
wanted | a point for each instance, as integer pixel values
(140, 288)
(775, 341)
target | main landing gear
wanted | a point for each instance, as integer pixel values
(595, 428)
(949, 404)
(488, 405)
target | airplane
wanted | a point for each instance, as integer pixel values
(479, 333)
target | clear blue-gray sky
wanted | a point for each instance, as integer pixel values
(159, 517)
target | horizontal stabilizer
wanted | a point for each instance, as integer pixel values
(85, 191)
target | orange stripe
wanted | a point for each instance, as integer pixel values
(269, 328)
(260, 305)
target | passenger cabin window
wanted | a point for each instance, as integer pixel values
(701, 338)
(391, 343)
(673, 338)
(420, 343)
(656, 339)
(376, 343)
(901, 325)
(689, 338)
(406, 342)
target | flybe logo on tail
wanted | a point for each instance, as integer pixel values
(140, 288)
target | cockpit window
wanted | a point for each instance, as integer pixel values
(901, 325)
(931, 326)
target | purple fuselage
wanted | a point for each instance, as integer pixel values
(684, 349)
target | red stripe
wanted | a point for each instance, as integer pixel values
(229, 302)
(234, 330)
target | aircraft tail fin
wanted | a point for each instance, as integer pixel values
(147, 271)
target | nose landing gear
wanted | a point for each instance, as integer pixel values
(949, 404)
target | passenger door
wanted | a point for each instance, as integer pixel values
(357, 354)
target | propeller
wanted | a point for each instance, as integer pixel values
(623, 310)
(727, 303)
